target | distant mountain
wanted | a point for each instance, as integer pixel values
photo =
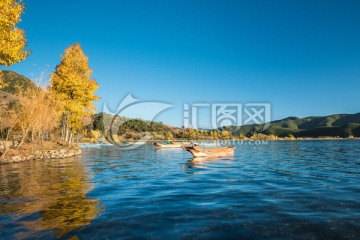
(342, 125)
(15, 82)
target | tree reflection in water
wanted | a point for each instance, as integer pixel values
(49, 195)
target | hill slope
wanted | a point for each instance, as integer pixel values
(15, 82)
(342, 125)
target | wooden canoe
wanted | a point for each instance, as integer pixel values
(211, 152)
(167, 145)
(206, 144)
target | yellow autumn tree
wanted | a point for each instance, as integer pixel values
(225, 134)
(73, 85)
(36, 114)
(12, 38)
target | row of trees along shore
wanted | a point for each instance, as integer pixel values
(56, 110)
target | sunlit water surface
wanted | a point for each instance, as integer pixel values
(285, 189)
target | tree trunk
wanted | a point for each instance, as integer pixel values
(67, 134)
(64, 130)
(32, 135)
(6, 139)
(21, 142)
(71, 138)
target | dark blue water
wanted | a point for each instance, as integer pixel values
(282, 190)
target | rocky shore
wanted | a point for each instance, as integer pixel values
(42, 154)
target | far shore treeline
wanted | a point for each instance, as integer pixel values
(333, 126)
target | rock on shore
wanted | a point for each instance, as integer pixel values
(43, 154)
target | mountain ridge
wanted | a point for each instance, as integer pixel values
(341, 125)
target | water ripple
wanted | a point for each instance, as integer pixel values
(283, 190)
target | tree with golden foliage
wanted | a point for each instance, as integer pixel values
(73, 85)
(12, 39)
(225, 134)
(38, 113)
(32, 113)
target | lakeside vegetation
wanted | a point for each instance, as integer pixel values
(33, 113)
(58, 111)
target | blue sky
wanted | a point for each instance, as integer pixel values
(303, 57)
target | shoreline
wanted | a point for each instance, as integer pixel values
(224, 140)
(52, 154)
(42, 155)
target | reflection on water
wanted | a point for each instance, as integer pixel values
(49, 196)
(202, 162)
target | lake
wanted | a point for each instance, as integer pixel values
(279, 190)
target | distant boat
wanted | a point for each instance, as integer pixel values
(94, 145)
(167, 145)
(136, 143)
(206, 144)
(212, 152)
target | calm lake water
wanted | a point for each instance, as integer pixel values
(282, 190)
